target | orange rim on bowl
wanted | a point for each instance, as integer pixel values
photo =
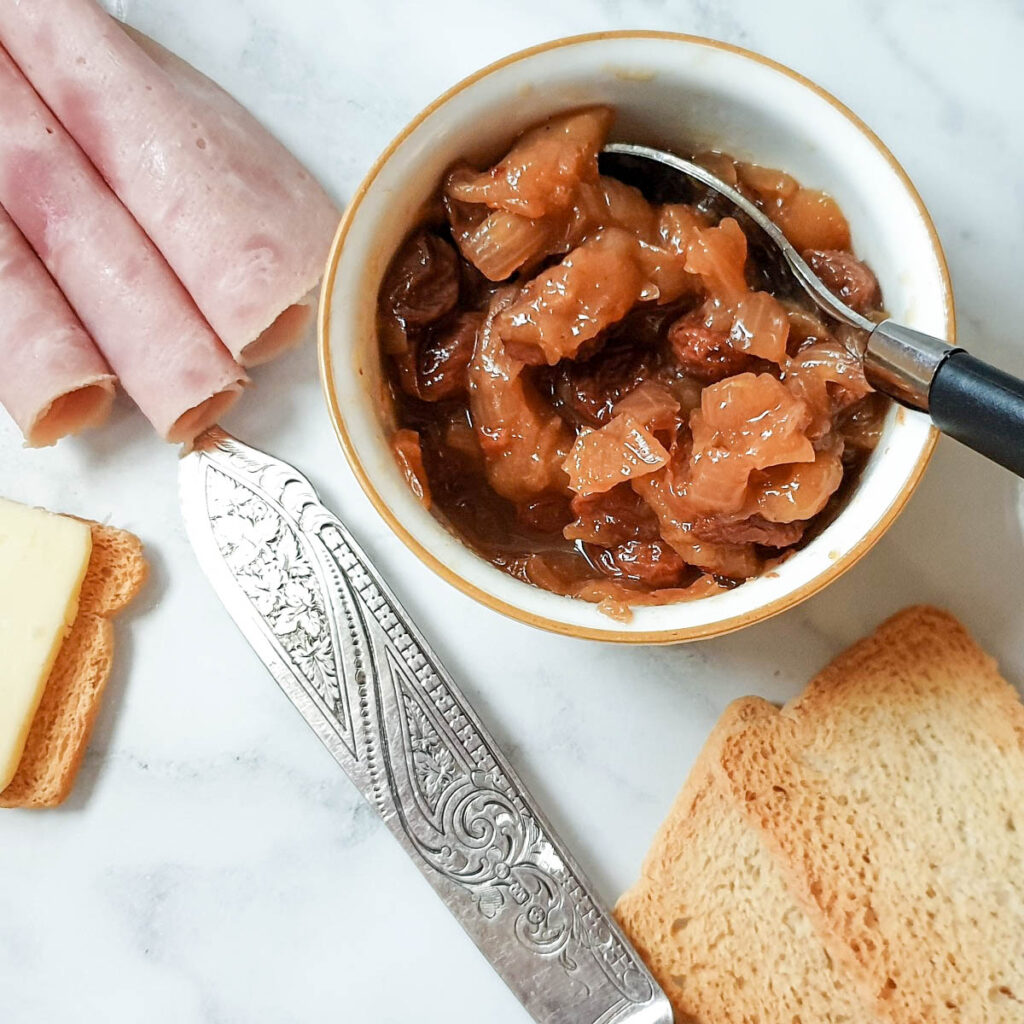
(665, 636)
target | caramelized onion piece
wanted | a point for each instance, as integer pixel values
(677, 226)
(409, 455)
(720, 165)
(812, 220)
(786, 494)
(614, 597)
(760, 327)
(592, 288)
(541, 172)
(617, 601)
(769, 184)
(499, 243)
(524, 441)
(828, 377)
(744, 423)
(665, 273)
(623, 450)
(718, 255)
(653, 405)
(616, 204)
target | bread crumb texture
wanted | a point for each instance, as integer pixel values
(891, 797)
(714, 920)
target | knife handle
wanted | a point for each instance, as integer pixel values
(346, 653)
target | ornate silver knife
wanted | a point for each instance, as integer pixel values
(344, 651)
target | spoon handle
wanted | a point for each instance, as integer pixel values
(981, 407)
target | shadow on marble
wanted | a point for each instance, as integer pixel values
(958, 545)
(125, 438)
(278, 396)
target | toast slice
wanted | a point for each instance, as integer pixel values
(713, 919)
(71, 699)
(891, 794)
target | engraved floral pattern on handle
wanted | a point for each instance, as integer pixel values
(343, 649)
(265, 558)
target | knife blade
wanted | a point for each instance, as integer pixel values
(346, 654)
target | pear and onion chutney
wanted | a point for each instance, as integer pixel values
(620, 399)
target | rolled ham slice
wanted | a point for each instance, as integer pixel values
(241, 222)
(53, 380)
(141, 318)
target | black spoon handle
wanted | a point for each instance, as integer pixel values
(981, 407)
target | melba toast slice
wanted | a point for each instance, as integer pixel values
(712, 917)
(891, 794)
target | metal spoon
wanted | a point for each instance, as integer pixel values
(980, 406)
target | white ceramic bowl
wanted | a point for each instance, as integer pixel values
(682, 93)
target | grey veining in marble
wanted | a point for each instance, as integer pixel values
(213, 866)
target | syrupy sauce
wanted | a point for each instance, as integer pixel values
(665, 351)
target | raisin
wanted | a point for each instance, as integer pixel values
(846, 277)
(547, 514)
(612, 518)
(754, 530)
(406, 373)
(444, 358)
(706, 354)
(422, 283)
(585, 393)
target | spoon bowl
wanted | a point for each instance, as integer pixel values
(619, 155)
(977, 404)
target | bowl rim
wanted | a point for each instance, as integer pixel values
(663, 636)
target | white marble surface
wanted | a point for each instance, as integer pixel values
(213, 866)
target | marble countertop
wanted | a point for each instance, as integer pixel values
(213, 865)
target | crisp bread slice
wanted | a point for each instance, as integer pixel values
(71, 699)
(891, 794)
(712, 917)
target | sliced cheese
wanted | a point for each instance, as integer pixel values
(43, 558)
